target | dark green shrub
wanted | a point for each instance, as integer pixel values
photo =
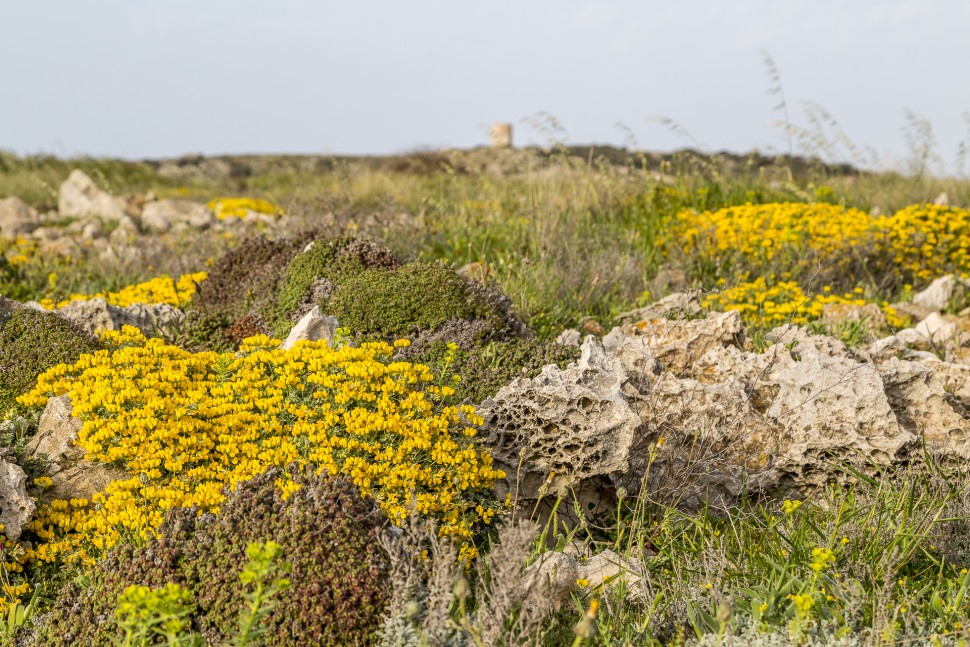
(328, 534)
(325, 265)
(412, 298)
(31, 342)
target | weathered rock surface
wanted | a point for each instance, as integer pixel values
(54, 442)
(574, 424)
(686, 406)
(164, 215)
(94, 315)
(553, 575)
(17, 217)
(941, 293)
(314, 326)
(79, 197)
(679, 344)
(16, 507)
(678, 305)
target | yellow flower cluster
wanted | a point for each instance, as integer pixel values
(764, 305)
(19, 250)
(923, 241)
(762, 232)
(161, 289)
(187, 425)
(242, 207)
(928, 240)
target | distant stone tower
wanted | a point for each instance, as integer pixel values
(501, 135)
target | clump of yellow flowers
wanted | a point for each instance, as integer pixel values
(764, 305)
(18, 250)
(187, 425)
(920, 242)
(242, 207)
(161, 289)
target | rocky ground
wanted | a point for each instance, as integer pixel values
(611, 439)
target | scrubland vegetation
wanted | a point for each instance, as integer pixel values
(342, 492)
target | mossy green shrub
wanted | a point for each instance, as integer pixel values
(413, 298)
(31, 342)
(482, 370)
(315, 273)
(329, 536)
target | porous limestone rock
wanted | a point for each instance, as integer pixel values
(16, 506)
(72, 476)
(94, 315)
(680, 408)
(679, 344)
(79, 197)
(314, 326)
(564, 425)
(17, 217)
(163, 215)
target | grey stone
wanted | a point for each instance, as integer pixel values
(939, 294)
(16, 506)
(17, 217)
(314, 326)
(570, 337)
(163, 215)
(73, 477)
(80, 197)
(94, 315)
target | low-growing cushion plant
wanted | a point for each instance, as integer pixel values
(32, 342)
(328, 535)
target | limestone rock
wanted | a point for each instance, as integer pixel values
(608, 568)
(570, 337)
(678, 305)
(16, 507)
(93, 315)
(72, 476)
(679, 344)
(553, 576)
(163, 215)
(573, 423)
(941, 293)
(17, 217)
(314, 326)
(80, 197)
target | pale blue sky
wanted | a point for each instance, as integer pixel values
(134, 78)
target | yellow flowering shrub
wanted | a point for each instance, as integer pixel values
(19, 250)
(927, 241)
(788, 231)
(161, 289)
(764, 305)
(187, 425)
(242, 207)
(919, 242)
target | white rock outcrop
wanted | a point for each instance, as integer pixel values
(314, 326)
(94, 315)
(80, 197)
(680, 407)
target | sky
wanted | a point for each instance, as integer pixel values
(141, 79)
